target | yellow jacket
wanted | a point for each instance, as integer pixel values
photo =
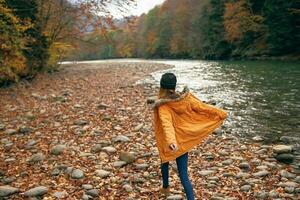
(184, 121)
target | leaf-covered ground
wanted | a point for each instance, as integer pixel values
(86, 131)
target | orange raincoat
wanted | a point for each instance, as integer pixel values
(184, 121)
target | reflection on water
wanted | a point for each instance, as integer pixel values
(262, 97)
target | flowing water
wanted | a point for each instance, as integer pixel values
(262, 97)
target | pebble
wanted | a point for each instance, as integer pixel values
(127, 157)
(141, 166)
(87, 186)
(60, 194)
(109, 149)
(227, 162)
(81, 122)
(285, 158)
(286, 174)
(96, 148)
(282, 149)
(138, 127)
(246, 188)
(58, 149)
(175, 197)
(121, 138)
(257, 139)
(127, 188)
(7, 190)
(37, 191)
(38, 157)
(77, 174)
(119, 163)
(10, 131)
(102, 173)
(92, 192)
(261, 173)
(206, 172)
(244, 165)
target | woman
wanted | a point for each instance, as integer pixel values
(181, 121)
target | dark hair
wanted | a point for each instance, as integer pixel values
(168, 81)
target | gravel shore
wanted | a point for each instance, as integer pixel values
(86, 132)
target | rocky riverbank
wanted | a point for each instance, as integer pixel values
(86, 133)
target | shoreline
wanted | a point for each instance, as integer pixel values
(88, 133)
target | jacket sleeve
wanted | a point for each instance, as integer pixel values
(167, 125)
(199, 107)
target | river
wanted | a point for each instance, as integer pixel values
(262, 97)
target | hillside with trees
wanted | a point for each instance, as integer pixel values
(208, 29)
(36, 34)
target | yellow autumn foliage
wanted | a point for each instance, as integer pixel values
(12, 42)
(58, 51)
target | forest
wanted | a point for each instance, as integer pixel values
(36, 34)
(206, 29)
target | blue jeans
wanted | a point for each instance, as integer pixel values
(182, 163)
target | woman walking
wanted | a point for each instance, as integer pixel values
(181, 122)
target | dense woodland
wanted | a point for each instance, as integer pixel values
(204, 29)
(36, 34)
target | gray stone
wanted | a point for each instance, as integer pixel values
(102, 106)
(2, 126)
(10, 131)
(244, 165)
(261, 173)
(285, 158)
(257, 139)
(37, 191)
(175, 197)
(96, 148)
(261, 195)
(60, 195)
(138, 127)
(297, 179)
(227, 162)
(290, 140)
(218, 131)
(121, 138)
(102, 173)
(127, 188)
(38, 157)
(286, 174)
(24, 129)
(242, 175)
(206, 172)
(246, 188)
(85, 197)
(289, 189)
(273, 194)
(282, 149)
(81, 122)
(119, 163)
(7, 190)
(93, 192)
(288, 184)
(109, 149)
(127, 157)
(141, 166)
(30, 144)
(58, 149)
(77, 174)
(87, 186)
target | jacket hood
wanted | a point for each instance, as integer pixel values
(181, 96)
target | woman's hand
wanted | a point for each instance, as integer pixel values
(173, 147)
